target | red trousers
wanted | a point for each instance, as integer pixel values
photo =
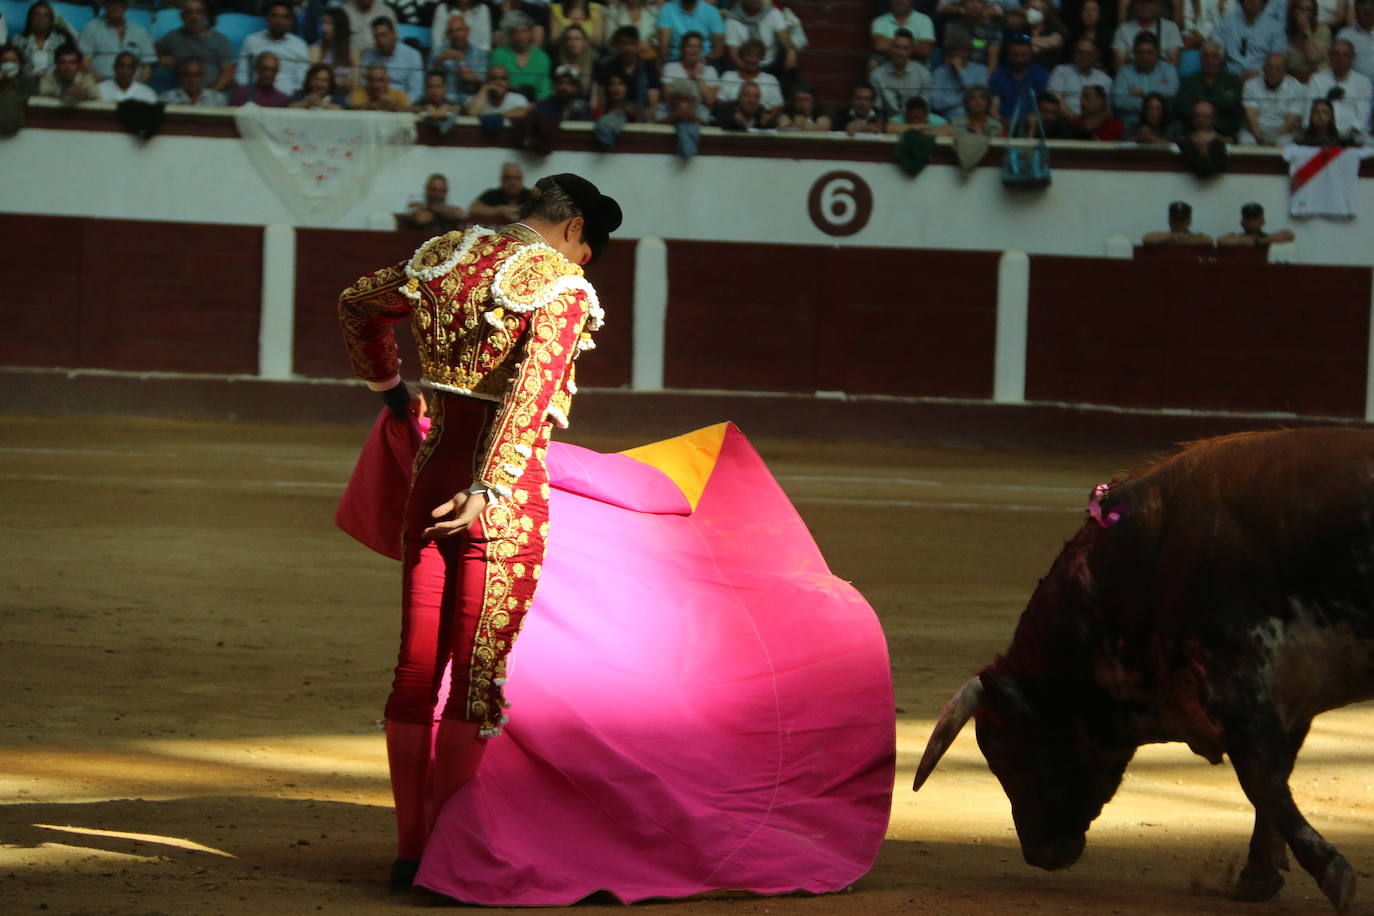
(464, 597)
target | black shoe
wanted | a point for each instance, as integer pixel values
(403, 873)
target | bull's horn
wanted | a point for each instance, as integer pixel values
(957, 712)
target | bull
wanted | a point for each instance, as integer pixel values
(1222, 596)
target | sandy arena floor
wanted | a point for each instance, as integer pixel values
(192, 660)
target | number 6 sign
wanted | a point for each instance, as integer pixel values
(840, 203)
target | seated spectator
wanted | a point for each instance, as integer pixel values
(863, 116)
(1016, 79)
(1320, 129)
(320, 89)
(747, 111)
(433, 213)
(1360, 34)
(462, 62)
(759, 20)
(197, 40)
(1146, 21)
(1067, 80)
(588, 16)
(902, 17)
(404, 65)
(476, 15)
(43, 34)
(1156, 123)
(1145, 74)
(495, 97)
(1095, 119)
(290, 52)
(1057, 123)
(575, 51)
(68, 80)
(1203, 149)
(123, 87)
(916, 116)
(692, 67)
(640, 15)
(263, 90)
(501, 205)
(680, 18)
(526, 65)
(976, 30)
(1047, 33)
(361, 14)
(613, 97)
(538, 130)
(190, 89)
(1347, 90)
(434, 103)
(377, 93)
(15, 88)
(1200, 19)
(952, 78)
(336, 49)
(1274, 103)
(109, 34)
(977, 117)
(508, 12)
(900, 77)
(1091, 25)
(801, 112)
(1252, 234)
(1180, 230)
(1216, 85)
(640, 76)
(751, 71)
(1308, 40)
(1248, 37)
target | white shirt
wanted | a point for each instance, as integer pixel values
(1352, 111)
(293, 60)
(768, 23)
(1067, 81)
(1206, 16)
(139, 92)
(1331, 191)
(1363, 40)
(1170, 39)
(1273, 106)
(769, 89)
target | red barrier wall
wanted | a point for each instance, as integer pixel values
(329, 260)
(1186, 333)
(860, 320)
(124, 294)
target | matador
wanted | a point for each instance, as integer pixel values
(499, 318)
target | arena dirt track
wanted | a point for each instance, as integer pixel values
(192, 660)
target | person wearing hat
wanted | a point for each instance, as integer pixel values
(499, 319)
(1180, 229)
(1252, 234)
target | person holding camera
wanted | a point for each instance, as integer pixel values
(1346, 89)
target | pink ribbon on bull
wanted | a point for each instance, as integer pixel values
(1095, 507)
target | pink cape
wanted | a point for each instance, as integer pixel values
(697, 702)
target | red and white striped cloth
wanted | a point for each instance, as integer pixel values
(1323, 180)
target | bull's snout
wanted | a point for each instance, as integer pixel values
(1053, 856)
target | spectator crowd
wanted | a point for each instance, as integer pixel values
(1196, 73)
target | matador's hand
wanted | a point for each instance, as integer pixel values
(464, 507)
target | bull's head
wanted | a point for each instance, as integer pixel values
(1055, 774)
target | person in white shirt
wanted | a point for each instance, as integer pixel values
(1347, 90)
(1067, 80)
(1274, 104)
(750, 60)
(107, 35)
(475, 13)
(123, 85)
(1200, 17)
(361, 14)
(1147, 19)
(920, 26)
(293, 56)
(759, 20)
(1361, 36)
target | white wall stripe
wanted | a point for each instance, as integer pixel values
(650, 314)
(1013, 311)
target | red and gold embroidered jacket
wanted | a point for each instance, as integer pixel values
(496, 315)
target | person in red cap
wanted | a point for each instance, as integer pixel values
(499, 319)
